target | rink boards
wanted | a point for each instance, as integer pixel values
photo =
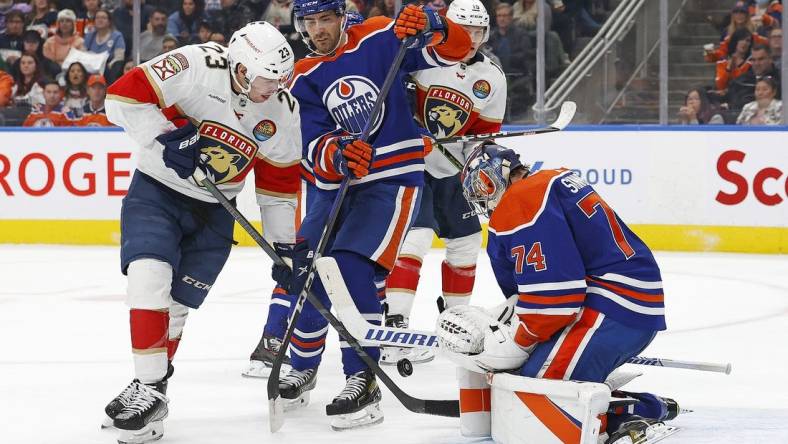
(688, 189)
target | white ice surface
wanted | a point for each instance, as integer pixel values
(66, 352)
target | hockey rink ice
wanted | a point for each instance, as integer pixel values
(66, 353)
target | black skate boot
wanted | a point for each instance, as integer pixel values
(124, 398)
(639, 430)
(358, 403)
(262, 358)
(392, 355)
(294, 387)
(143, 419)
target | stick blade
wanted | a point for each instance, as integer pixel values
(566, 115)
(276, 414)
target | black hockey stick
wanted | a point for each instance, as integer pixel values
(448, 408)
(276, 409)
(565, 116)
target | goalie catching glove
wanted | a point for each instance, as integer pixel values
(476, 340)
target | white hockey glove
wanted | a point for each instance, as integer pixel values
(476, 341)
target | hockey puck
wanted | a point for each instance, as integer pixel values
(404, 367)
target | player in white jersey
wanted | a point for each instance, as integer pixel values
(222, 110)
(467, 98)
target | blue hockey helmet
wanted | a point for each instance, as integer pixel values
(303, 8)
(486, 175)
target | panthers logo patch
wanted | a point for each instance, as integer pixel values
(481, 89)
(446, 111)
(264, 130)
(350, 100)
(225, 153)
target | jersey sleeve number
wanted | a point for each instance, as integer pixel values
(588, 205)
(214, 59)
(534, 258)
(284, 97)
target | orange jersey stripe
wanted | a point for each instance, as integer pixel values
(633, 294)
(552, 417)
(523, 201)
(552, 300)
(389, 255)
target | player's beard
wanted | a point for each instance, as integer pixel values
(325, 43)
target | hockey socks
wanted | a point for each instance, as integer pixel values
(149, 341)
(457, 283)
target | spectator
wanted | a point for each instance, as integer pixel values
(76, 91)
(525, 12)
(183, 23)
(43, 14)
(382, 7)
(128, 65)
(57, 47)
(765, 109)
(776, 45)
(87, 18)
(698, 110)
(231, 17)
(510, 42)
(7, 7)
(169, 43)
(33, 44)
(151, 41)
(6, 88)
(278, 14)
(123, 21)
(204, 32)
(51, 112)
(27, 90)
(12, 37)
(106, 39)
(218, 37)
(740, 20)
(737, 64)
(93, 113)
(742, 89)
(361, 7)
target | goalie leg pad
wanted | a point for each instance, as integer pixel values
(475, 403)
(542, 411)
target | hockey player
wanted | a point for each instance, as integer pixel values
(467, 98)
(337, 88)
(588, 291)
(221, 110)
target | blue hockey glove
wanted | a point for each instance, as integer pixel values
(299, 255)
(181, 149)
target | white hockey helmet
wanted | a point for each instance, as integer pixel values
(264, 52)
(470, 12)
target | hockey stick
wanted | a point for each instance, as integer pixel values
(275, 405)
(565, 117)
(371, 334)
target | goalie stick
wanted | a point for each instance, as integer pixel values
(564, 118)
(371, 334)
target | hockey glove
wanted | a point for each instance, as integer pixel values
(297, 255)
(181, 149)
(421, 22)
(349, 155)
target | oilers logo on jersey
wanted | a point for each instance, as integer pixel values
(350, 100)
(226, 154)
(446, 110)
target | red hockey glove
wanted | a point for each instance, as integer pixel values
(423, 22)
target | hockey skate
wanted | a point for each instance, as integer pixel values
(641, 431)
(142, 420)
(294, 387)
(392, 355)
(358, 405)
(263, 357)
(120, 402)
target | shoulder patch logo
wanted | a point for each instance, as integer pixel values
(170, 66)
(264, 130)
(350, 100)
(446, 111)
(481, 89)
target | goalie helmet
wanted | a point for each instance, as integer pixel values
(263, 50)
(470, 13)
(485, 176)
(303, 8)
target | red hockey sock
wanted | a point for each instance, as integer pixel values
(457, 283)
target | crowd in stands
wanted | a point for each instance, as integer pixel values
(746, 89)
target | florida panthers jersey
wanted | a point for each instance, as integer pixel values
(457, 100)
(559, 246)
(193, 82)
(337, 92)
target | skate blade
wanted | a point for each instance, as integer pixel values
(367, 417)
(414, 355)
(276, 414)
(257, 369)
(654, 434)
(107, 423)
(297, 403)
(151, 432)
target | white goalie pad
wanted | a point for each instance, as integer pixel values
(546, 411)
